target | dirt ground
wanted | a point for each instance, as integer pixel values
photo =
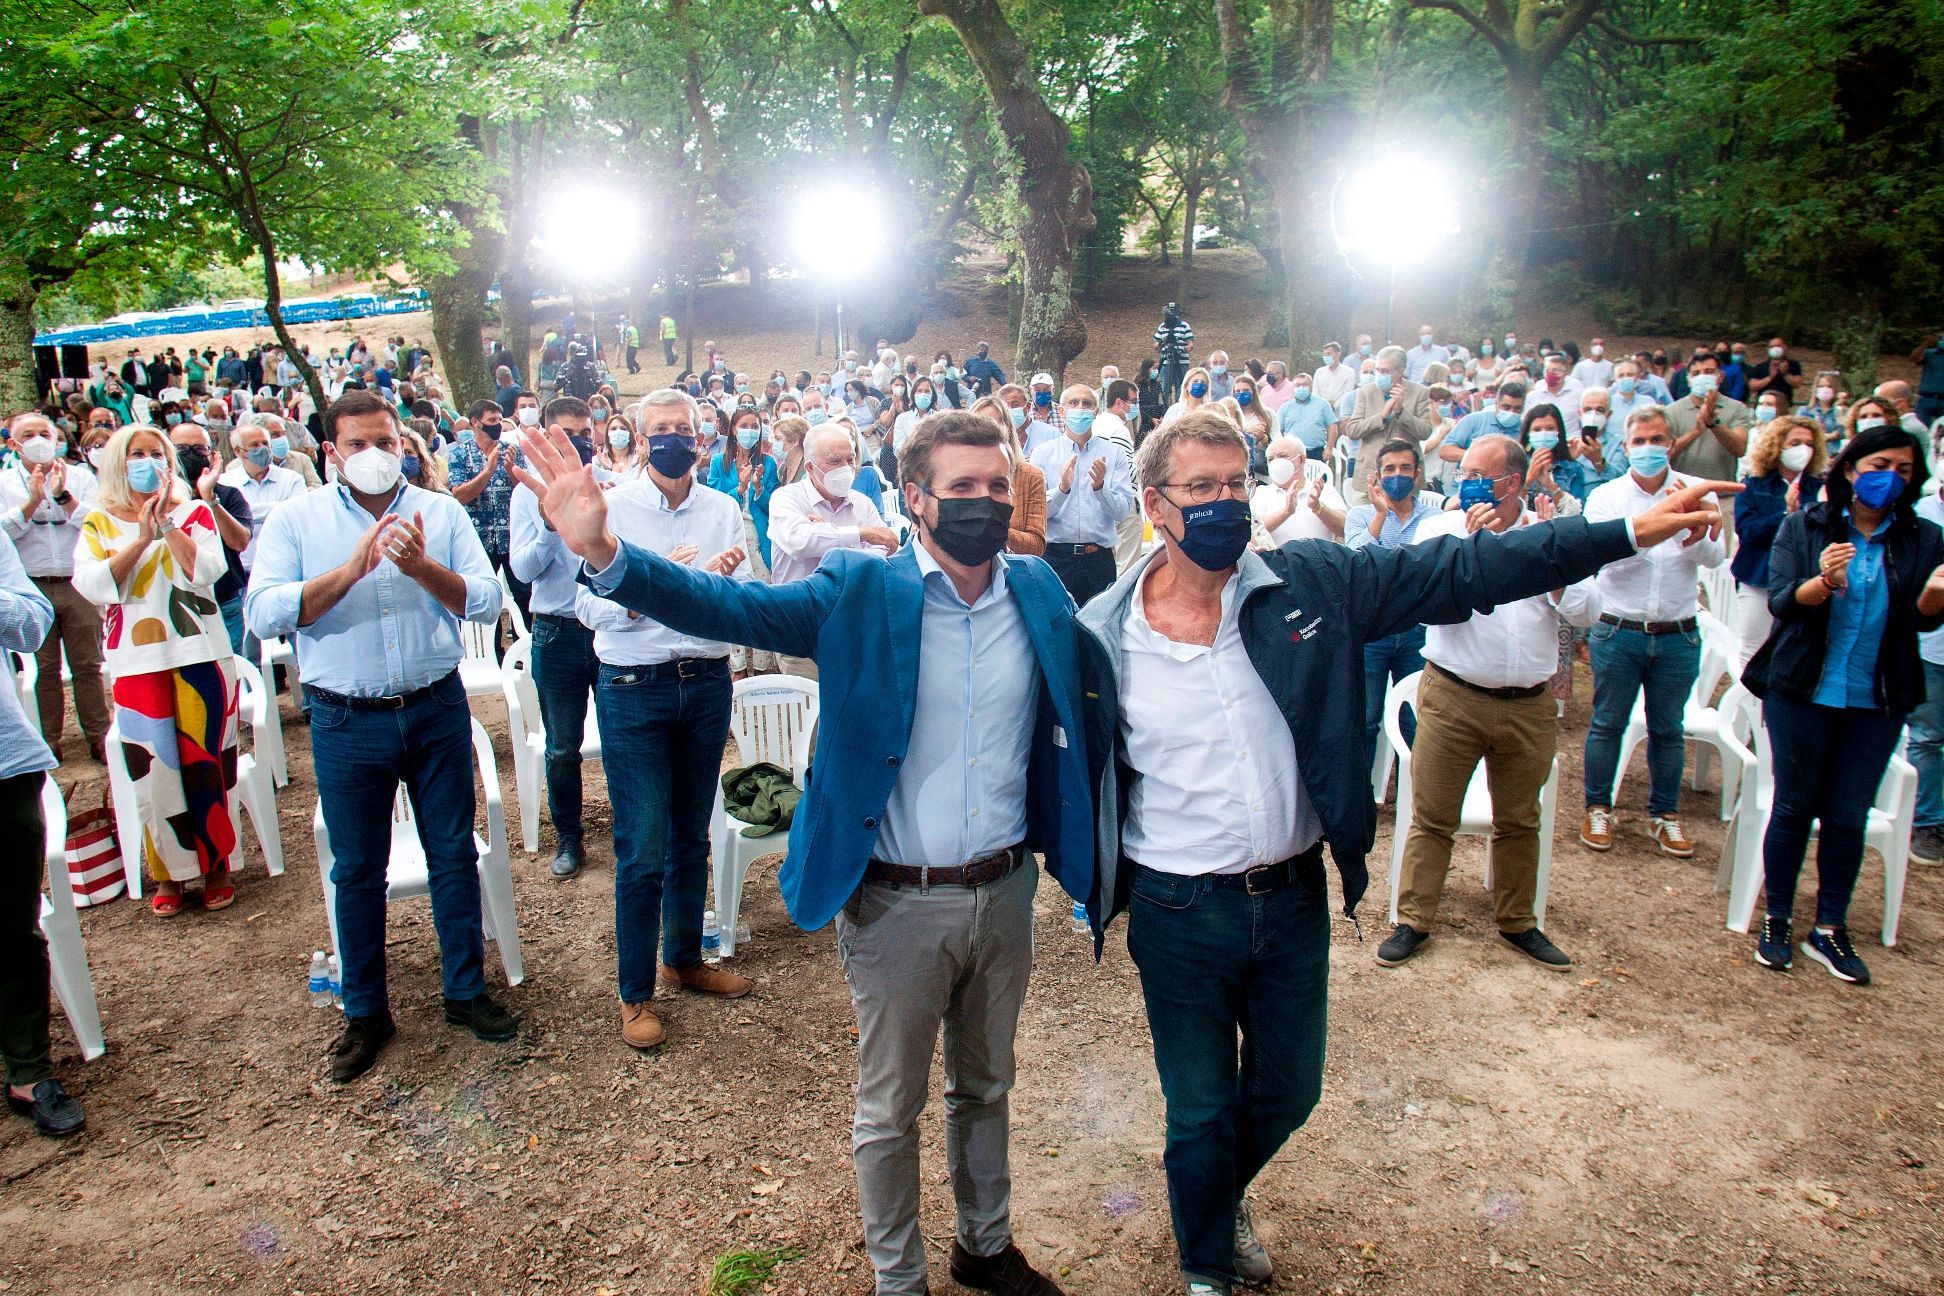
(1668, 1118)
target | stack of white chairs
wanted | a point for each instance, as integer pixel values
(1887, 829)
(479, 669)
(1475, 819)
(255, 792)
(528, 732)
(270, 740)
(407, 876)
(511, 606)
(67, 955)
(1701, 721)
(772, 718)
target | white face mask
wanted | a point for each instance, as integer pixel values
(619, 438)
(39, 450)
(1595, 419)
(94, 455)
(1796, 457)
(1598, 351)
(1825, 393)
(1282, 471)
(371, 471)
(838, 481)
(529, 416)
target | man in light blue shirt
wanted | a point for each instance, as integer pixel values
(1502, 419)
(1425, 354)
(1089, 489)
(373, 576)
(26, 615)
(1308, 418)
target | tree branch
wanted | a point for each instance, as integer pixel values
(1613, 32)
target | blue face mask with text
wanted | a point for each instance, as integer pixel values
(1213, 535)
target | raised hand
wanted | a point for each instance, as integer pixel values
(1542, 507)
(725, 562)
(1375, 492)
(1313, 496)
(151, 518)
(570, 499)
(370, 549)
(404, 544)
(1793, 500)
(1835, 565)
(206, 484)
(1098, 472)
(1540, 469)
(683, 554)
(1066, 477)
(1479, 517)
(1687, 509)
(39, 487)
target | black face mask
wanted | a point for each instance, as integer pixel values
(490, 431)
(972, 530)
(194, 463)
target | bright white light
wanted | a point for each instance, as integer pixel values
(589, 233)
(1398, 210)
(838, 232)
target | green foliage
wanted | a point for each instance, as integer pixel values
(740, 1272)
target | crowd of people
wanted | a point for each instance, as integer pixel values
(1139, 633)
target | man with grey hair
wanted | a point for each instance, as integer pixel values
(1483, 696)
(1220, 385)
(1274, 388)
(1391, 407)
(819, 514)
(1201, 664)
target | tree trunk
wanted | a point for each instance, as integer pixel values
(1055, 195)
(1302, 278)
(273, 304)
(1524, 109)
(1193, 190)
(19, 380)
(459, 312)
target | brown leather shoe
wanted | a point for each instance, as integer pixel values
(1007, 1273)
(640, 1027)
(708, 980)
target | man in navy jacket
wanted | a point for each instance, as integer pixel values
(1207, 668)
(950, 751)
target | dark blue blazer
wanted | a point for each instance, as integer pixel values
(860, 617)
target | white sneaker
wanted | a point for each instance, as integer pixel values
(1252, 1263)
(1206, 1289)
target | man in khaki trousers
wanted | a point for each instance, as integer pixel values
(1483, 696)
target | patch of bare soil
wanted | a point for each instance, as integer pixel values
(1667, 1118)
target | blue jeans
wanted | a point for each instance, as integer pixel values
(564, 670)
(1828, 762)
(1387, 660)
(1236, 988)
(360, 758)
(1625, 662)
(1927, 749)
(232, 611)
(661, 740)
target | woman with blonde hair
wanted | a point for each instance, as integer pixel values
(788, 447)
(1027, 533)
(1786, 461)
(1254, 419)
(1822, 405)
(150, 556)
(1194, 395)
(420, 466)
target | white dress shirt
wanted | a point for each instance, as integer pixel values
(804, 526)
(538, 556)
(961, 790)
(46, 541)
(1109, 426)
(1216, 784)
(1302, 523)
(1593, 373)
(1567, 398)
(639, 513)
(1515, 645)
(1084, 515)
(1333, 385)
(1658, 584)
(277, 485)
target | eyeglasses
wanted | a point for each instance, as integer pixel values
(1206, 490)
(1476, 475)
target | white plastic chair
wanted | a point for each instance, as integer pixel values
(772, 718)
(254, 792)
(479, 669)
(1475, 818)
(1887, 829)
(24, 669)
(528, 731)
(406, 874)
(1701, 722)
(67, 955)
(1381, 763)
(270, 740)
(511, 606)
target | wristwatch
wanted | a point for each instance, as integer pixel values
(64, 498)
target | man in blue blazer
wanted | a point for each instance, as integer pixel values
(951, 751)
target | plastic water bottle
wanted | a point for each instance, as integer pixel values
(336, 978)
(711, 938)
(742, 932)
(320, 981)
(1080, 924)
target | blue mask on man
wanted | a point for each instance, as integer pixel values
(671, 454)
(1477, 490)
(1383, 379)
(1508, 419)
(1647, 460)
(1399, 486)
(1213, 535)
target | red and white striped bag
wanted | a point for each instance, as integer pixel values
(94, 855)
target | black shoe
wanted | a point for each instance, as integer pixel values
(357, 1049)
(1533, 944)
(1833, 950)
(1774, 947)
(1006, 1273)
(566, 861)
(483, 1018)
(1404, 941)
(1927, 846)
(53, 1109)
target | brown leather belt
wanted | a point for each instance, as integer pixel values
(1513, 693)
(1076, 550)
(976, 873)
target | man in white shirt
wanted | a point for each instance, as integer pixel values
(1425, 354)
(809, 518)
(1089, 489)
(663, 703)
(1119, 399)
(1647, 639)
(1334, 380)
(1297, 502)
(1560, 390)
(1484, 696)
(42, 501)
(1594, 369)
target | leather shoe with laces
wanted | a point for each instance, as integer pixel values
(357, 1049)
(566, 861)
(54, 1111)
(641, 1026)
(483, 1018)
(706, 978)
(1006, 1273)
(1533, 944)
(1404, 941)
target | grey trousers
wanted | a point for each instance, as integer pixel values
(958, 957)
